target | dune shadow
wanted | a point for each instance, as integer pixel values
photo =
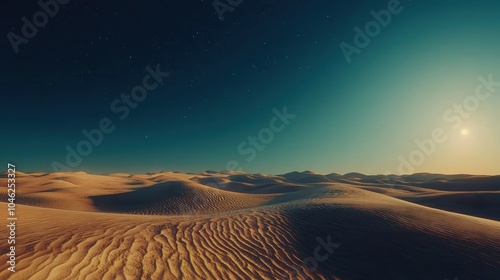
(142, 198)
(372, 247)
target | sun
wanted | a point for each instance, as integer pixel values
(464, 132)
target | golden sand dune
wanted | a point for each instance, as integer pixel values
(241, 226)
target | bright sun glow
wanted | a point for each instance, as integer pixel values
(464, 132)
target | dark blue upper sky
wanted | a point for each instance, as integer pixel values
(228, 79)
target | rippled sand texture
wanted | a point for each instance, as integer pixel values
(239, 226)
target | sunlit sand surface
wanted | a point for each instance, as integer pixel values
(240, 226)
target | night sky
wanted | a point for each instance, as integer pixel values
(228, 79)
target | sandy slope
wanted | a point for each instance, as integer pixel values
(242, 226)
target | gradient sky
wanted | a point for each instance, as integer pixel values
(226, 77)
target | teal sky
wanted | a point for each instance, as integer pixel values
(359, 116)
(397, 90)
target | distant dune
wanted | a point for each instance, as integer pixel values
(233, 225)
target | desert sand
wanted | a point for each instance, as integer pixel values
(232, 225)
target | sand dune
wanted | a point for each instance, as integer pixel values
(252, 226)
